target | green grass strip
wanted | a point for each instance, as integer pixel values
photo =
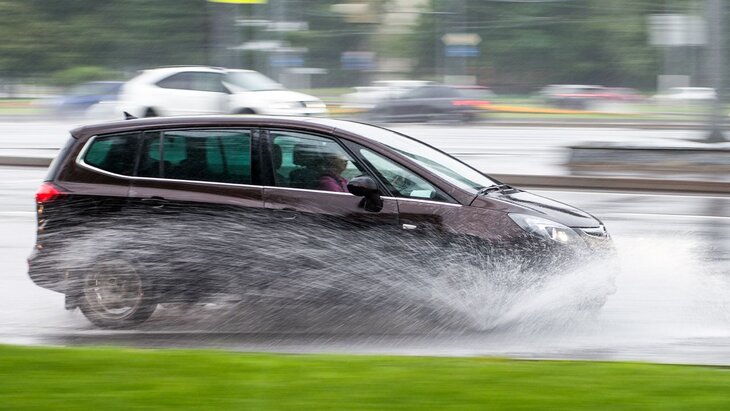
(33, 378)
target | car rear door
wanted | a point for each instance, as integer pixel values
(197, 196)
(191, 92)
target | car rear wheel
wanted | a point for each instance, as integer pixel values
(245, 111)
(150, 113)
(115, 295)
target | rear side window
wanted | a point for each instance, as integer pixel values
(59, 159)
(180, 81)
(199, 155)
(113, 153)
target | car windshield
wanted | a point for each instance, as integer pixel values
(441, 164)
(252, 81)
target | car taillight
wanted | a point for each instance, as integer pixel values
(48, 192)
(471, 103)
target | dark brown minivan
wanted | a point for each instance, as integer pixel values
(147, 211)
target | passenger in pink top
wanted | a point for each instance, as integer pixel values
(332, 179)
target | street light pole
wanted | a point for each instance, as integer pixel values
(716, 68)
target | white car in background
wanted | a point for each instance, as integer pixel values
(367, 97)
(173, 91)
(679, 94)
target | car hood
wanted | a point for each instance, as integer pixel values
(276, 96)
(545, 207)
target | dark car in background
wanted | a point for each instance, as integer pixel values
(433, 102)
(587, 96)
(574, 96)
(147, 211)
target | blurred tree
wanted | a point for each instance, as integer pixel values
(525, 44)
(42, 37)
(76, 75)
(529, 44)
(331, 33)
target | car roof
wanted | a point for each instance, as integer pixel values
(312, 123)
(166, 71)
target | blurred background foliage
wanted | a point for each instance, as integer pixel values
(524, 44)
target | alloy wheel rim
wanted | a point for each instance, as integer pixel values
(114, 290)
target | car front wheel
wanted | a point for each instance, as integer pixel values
(115, 295)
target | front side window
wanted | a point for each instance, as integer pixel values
(222, 156)
(437, 162)
(114, 153)
(251, 81)
(401, 181)
(312, 162)
(431, 92)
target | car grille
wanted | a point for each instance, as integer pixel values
(595, 237)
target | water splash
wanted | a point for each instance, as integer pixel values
(424, 283)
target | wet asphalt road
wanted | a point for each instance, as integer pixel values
(673, 291)
(672, 302)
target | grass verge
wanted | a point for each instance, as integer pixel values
(33, 378)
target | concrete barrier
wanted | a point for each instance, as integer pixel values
(616, 184)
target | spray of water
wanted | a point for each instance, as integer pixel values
(311, 273)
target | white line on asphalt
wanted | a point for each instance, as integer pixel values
(705, 217)
(632, 194)
(17, 213)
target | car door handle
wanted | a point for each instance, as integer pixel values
(155, 202)
(409, 226)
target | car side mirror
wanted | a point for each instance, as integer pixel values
(364, 186)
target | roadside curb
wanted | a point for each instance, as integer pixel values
(24, 161)
(532, 181)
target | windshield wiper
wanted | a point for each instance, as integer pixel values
(492, 188)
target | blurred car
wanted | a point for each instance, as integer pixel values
(194, 90)
(574, 96)
(433, 102)
(141, 212)
(84, 96)
(679, 94)
(624, 94)
(368, 96)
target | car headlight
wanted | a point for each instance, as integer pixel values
(547, 229)
(315, 104)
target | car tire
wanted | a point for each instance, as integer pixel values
(150, 113)
(245, 111)
(113, 293)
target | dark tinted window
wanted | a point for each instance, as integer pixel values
(59, 159)
(114, 153)
(432, 92)
(400, 181)
(200, 155)
(208, 82)
(182, 81)
(190, 80)
(309, 161)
